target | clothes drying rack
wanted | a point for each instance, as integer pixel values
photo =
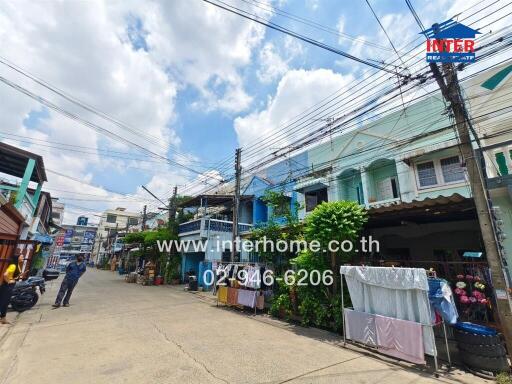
(436, 363)
(239, 263)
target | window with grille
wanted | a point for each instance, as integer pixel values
(111, 218)
(452, 169)
(426, 174)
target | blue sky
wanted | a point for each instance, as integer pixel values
(189, 77)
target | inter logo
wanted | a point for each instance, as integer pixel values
(450, 42)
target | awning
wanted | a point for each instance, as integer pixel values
(44, 239)
(429, 210)
(212, 200)
(312, 184)
(13, 161)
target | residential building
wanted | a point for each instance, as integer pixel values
(57, 211)
(406, 168)
(78, 240)
(19, 169)
(112, 221)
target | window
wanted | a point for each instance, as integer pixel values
(438, 172)
(452, 169)
(133, 221)
(314, 198)
(111, 218)
(56, 215)
(359, 193)
(426, 174)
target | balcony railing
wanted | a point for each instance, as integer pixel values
(190, 226)
(212, 225)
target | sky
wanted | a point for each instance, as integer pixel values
(179, 80)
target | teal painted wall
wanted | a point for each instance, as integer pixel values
(351, 186)
(378, 171)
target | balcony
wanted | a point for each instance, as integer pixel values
(26, 207)
(498, 165)
(26, 168)
(205, 225)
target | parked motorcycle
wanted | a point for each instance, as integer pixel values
(24, 294)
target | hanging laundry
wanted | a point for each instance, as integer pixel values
(232, 296)
(360, 327)
(441, 300)
(400, 293)
(247, 298)
(260, 300)
(400, 338)
(222, 294)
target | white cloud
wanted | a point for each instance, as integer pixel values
(297, 91)
(272, 66)
(202, 43)
(313, 4)
(85, 48)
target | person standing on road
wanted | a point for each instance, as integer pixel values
(8, 281)
(74, 271)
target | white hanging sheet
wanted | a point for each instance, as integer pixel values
(400, 293)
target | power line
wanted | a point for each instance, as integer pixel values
(271, 25)
(89, 124)
(384, 30)
(283, 13)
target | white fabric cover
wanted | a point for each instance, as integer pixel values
(400, 293)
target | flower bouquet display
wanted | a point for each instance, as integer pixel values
(471, 298)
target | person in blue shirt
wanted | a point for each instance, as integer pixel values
(74, 271)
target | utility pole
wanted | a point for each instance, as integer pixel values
(144, 217)
(236, 202)
(451, 92)
(172, 207)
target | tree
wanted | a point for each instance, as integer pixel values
(339, 221)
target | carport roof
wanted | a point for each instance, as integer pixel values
(438, 209)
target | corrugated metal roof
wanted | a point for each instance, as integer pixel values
(415, 204)
(320, 182)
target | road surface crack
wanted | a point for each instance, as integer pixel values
(182, 349)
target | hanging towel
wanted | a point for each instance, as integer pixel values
(260, 301)
(232, 296)
(222, 294)
(247, 298)
(400, 338)
(360, 327)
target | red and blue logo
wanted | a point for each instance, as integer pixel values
(450, 42)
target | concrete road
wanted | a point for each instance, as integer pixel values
(115, 332)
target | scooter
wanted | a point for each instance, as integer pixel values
(24, 294)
